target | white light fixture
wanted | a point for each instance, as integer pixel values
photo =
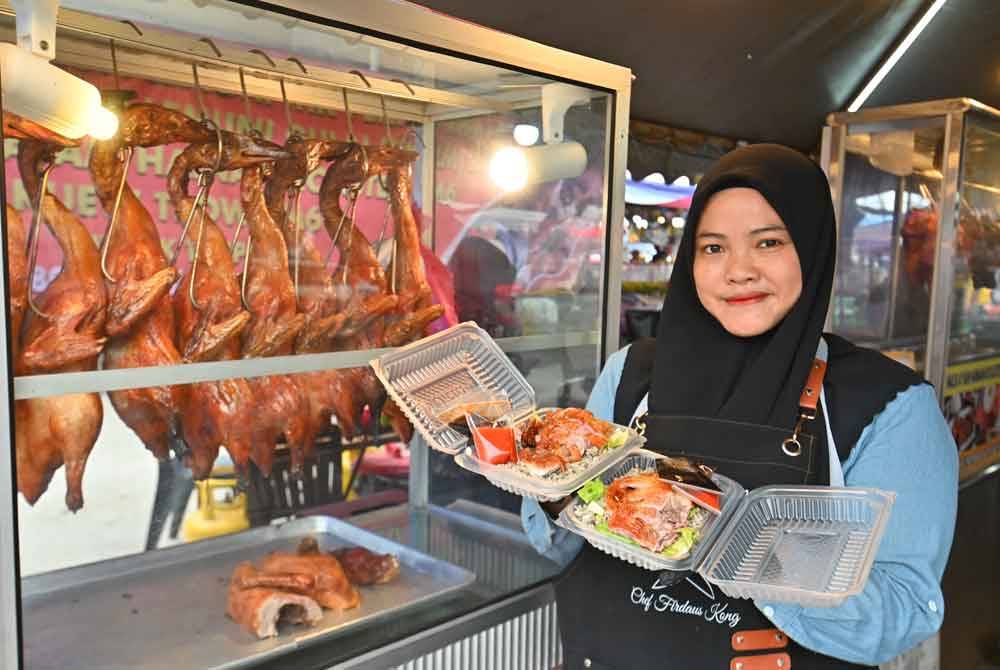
(636, 219)
(661, 219)
(677, 222)
(896, 54)
(41, 92)
(526, 134)
(555, 159)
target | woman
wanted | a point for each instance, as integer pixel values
(727, 382)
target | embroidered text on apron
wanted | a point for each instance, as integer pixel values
(615, 615)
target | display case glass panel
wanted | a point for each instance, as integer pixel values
(354, 181)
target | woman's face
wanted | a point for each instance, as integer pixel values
(746, 269)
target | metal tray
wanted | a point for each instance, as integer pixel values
(167, 609)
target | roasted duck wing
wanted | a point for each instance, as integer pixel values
(210, 317)
(67, 336)
(140, 313)
(283, 402)
(260, 609)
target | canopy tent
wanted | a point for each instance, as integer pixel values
(763, 71)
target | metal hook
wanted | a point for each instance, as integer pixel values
(132, 26)
(387, 140)
(205, 179)
(236, 235)
(288, 111)
(406, 86)
(194, 261)
(114, 65)
(210, 43)
(265, 57)
(34, 234)
(347, 111)
(197, 91)
(299, 63)
(362, 77)
(296, 197)
(126, 160)
(246, 272)
(253, 132)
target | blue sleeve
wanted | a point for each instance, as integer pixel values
(549, 540)
(907, 449)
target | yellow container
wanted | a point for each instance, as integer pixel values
(221, 510)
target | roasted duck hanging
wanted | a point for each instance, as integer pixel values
(63, 332)
(209, 312)
(140, 313)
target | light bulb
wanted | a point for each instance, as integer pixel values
(636, 219)
(509, 169)
(525, 134)
(661, 219)
(677, 222)
(103, 124)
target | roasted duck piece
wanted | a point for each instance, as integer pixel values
(325, 580)
(283, 401)
(17, 264)
(66, 336)
(364, 567)
(261, 609)
(140, 313)
(562, 438)
(210, 317)
(646, 509)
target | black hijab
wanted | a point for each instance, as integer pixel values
(703, 370)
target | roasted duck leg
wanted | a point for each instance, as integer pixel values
(210, 317)
(140, 314)
(408, 264)
(67, 336)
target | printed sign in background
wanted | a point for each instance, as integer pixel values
(971, 406)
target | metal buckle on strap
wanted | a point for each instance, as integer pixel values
(639, 424)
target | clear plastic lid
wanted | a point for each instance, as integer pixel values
(572, 519)
(809, 545)
(434, 380)
(514, 479)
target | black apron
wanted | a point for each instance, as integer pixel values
(615, 615)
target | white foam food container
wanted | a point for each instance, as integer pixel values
(431, 376)
(809, 545)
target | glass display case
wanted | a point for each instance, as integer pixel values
(193, 302)
(917, 193)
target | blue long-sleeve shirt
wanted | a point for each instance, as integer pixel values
(908, 449)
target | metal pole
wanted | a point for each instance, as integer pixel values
(419, 493)
(832, 162)
(942, 291)
(9, 644)
(897, 255)
(615, 188)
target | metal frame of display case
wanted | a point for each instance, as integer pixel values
(400, 22)
(954, 113)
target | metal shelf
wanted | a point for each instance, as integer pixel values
(84, 42)
(38, 386)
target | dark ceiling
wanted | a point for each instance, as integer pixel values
(768, 70)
